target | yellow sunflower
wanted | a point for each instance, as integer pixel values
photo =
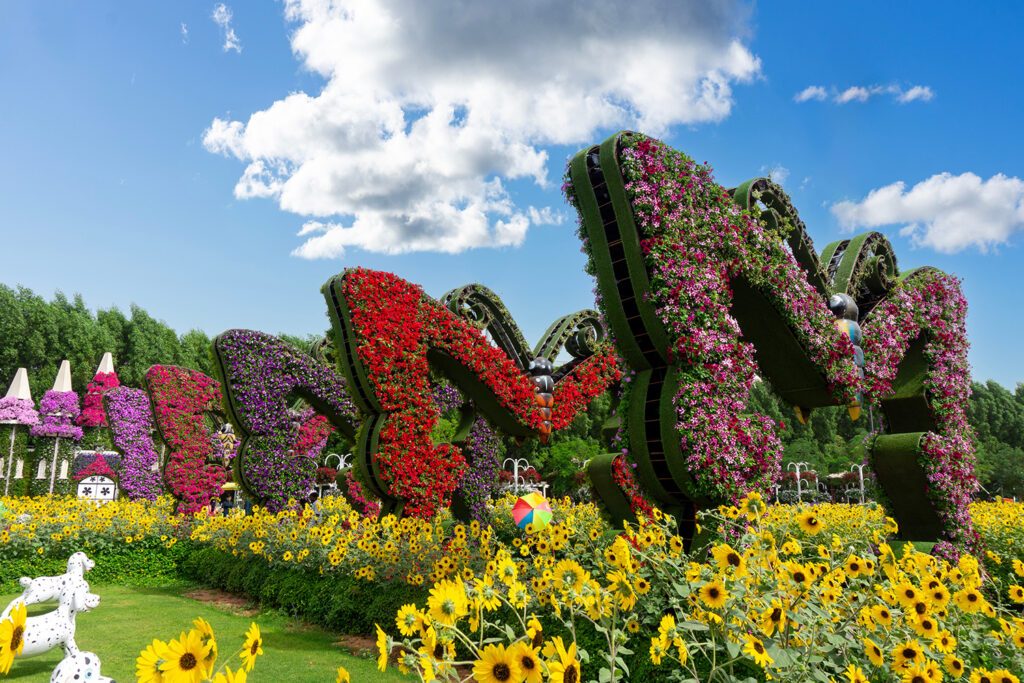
(659, 648)
(564, 668)
(12, 640)
(206, 634)
(880, 614)
(343, 676)
(752, 506)
(907, 593)
(944, 642)
(1004, 676)
(755, 648)
(623, 589)
(569, 575)
(726, 557)
(800, 574)
(382, 648)
(147, 666)
(228, 677)
(535, 632)
(448, 602)
(409, 620)
(436, 651)
(969, 600)
(184, 657)
(252, 647)
(954, 666)
(916, 673)
(873, 652)
(528, 659)
(1016, 593)
(809, 522)
(854, 566)
(773, 619)
(906, 653)
(713, 594)
(496, 665)
(854, 674)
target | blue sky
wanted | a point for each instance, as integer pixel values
(429, 140)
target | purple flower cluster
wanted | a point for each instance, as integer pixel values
(932, 304)
(481, 479)
(59, 410)
(131, 424)
(19, 410)
(262, 377)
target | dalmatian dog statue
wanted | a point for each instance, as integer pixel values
(81, 668)
(48, 588)
(47, 631)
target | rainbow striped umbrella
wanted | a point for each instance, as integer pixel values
(533, 509)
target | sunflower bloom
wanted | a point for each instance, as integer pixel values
(147, 666)
(810, 524)
(528, 659)
(184, 657)
(755, 648)
(906, 653)
(496, 665)
(228, 677)
(854, 674)
(713, 594)
(12, 640)
(565, 668)
(873, 652)
(253, 646)
(916, 673)
(382, 649)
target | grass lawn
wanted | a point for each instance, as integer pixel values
(128, 619)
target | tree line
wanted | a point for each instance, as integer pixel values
(37, 334)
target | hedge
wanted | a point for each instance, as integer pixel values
(148, 562)
(340, 603)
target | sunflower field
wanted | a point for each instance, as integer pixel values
(802, 593)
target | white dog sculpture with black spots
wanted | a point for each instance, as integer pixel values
(81, 668)
(47, 631)
(48, 588)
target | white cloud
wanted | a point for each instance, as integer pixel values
(184, 33)
(811, 92)
(945, 212)
(862, 93)
(431, 109)
(853, 94)
(918, 92)
(777, 173)
(544, 216)
(222, 17)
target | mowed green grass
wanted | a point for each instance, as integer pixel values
(128, 619)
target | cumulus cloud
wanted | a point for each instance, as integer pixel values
(431, 110)
(811, 92)
(777, 173)
(918, 92)
(863, 93)
(946, 212)
(222, 17)
(856, 94)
